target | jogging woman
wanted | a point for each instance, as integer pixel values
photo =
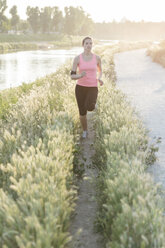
(87, 82)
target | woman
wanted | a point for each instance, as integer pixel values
(87, 85)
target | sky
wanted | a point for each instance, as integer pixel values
(103, 10)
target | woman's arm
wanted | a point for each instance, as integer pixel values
(100, 70)
(75, 76)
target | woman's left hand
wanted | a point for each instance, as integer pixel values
(101, 82)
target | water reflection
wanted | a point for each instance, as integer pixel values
(26, 66)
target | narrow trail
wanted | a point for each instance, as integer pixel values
(82, 227)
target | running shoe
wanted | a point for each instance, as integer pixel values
(84, 135)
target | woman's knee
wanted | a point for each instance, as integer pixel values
(82, 112)
(91, 107)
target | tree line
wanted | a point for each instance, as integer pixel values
(45, 20)
(75, 21)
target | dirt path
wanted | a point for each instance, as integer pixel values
(82, 226)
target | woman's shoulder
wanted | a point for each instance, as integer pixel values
(77, 58)
(97, 57)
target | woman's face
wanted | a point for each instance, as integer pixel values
(88, 45)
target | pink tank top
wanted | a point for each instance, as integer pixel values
(90, 67)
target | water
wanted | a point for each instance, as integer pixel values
(143, 81)
(27, 66)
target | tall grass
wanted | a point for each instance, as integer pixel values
(10, 47)
(131, 210)
(8, 97)
(157, 53)
(37, 147)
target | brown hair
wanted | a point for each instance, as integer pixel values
(83, 41)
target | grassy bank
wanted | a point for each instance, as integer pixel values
(8, 97)
(37, 148)
(157, 53)
(131, 212)
(10, 43)
(32, 37)
(11, 47)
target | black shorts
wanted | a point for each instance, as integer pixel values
(86, 98)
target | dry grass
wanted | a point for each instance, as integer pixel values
(157, 53)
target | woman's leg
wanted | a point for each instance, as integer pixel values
(83, 120)
(81, 94)
(91, 98)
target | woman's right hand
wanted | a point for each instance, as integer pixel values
(83, 73)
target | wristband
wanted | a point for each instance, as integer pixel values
(73, 73)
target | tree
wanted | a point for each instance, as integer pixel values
(87, 27)
(3, 19)
(76, 21)
(3, 7)
(57, 20)
(15, 18)
(5, 26)
(33, 18)
(68, 21)
(46, 19)
(24, 26)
